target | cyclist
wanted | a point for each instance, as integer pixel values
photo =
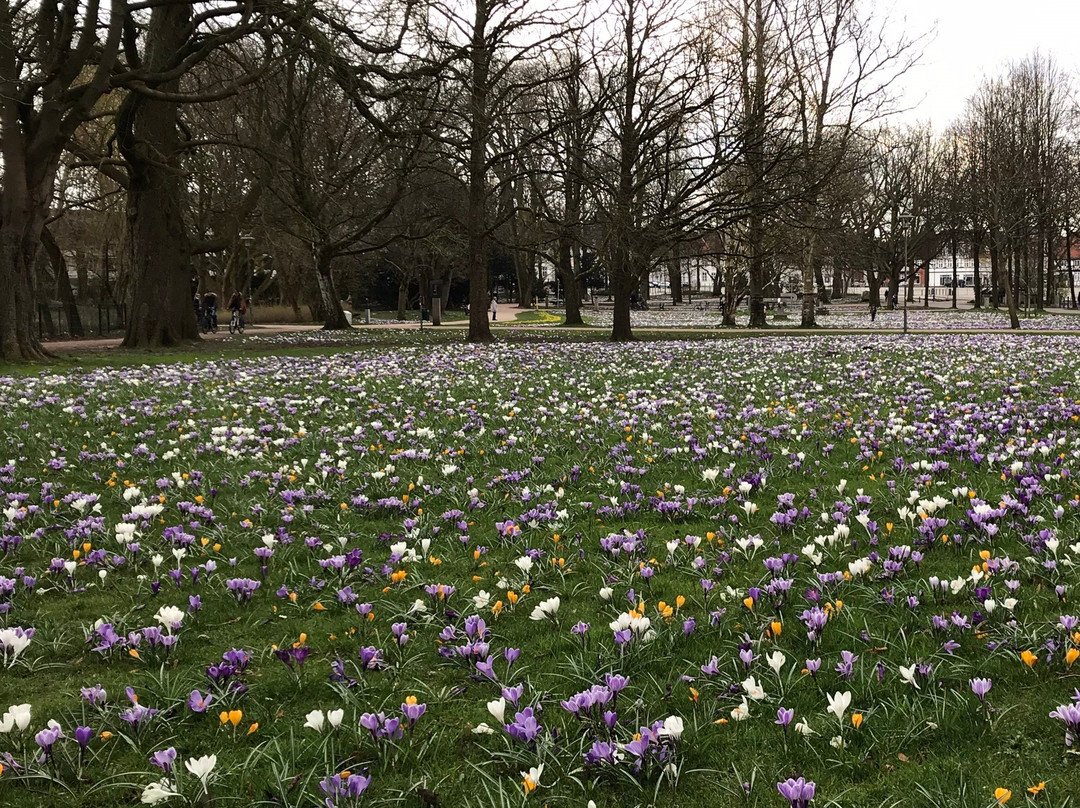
(209, 309)
(238, 307)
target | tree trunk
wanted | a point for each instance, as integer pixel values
(819, 278)
(839, 288)
(1040, 275)
(476, 213)
(874, 282)
(976, 253)
(730, 295)
(809, 287)
(955, 264)
(620, 326)
(1068, 262)
(63, 283)
(148, 134)
(526, 278)
(571, 287)
(675, 276)
(1010, 301)
(329, 300)
(995, 271)
(402, 299)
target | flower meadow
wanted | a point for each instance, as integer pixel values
(781, 571)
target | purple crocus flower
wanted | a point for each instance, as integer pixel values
(46, 739)
(1069, 714)
(198, 703)
(980, 687)
(83, 735)
(413, 712)
(164, 758)
(798, 793)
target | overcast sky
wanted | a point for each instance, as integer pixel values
(969, 39)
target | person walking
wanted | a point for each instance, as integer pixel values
(494, 308)
(873, 311)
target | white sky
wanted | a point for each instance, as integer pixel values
(970, 39)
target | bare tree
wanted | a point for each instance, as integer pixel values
(56, 62)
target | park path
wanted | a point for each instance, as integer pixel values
(270, 329)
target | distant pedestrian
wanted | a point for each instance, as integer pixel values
(873, 312)
(494, 308)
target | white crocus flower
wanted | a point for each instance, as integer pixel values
(755, 691)
(741, 712)
(673, 727)
(497, 709)
(201, 767)
(908, 675)
(157, 791)
(546, 610)
(315, 720)
(170, 616)
(838, 704)
(776, 661)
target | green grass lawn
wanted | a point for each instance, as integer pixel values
(684, 500)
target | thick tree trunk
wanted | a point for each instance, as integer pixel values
(476, 213)
(329, 299)
(402, 299)
(675, 277)
(874, 282)
(63, 283)
(570, 284)
(526, 278)
(819, 277)
(730, 294)
(18, 333)
(620, 326)
(1010, 301)
(160, 310)
(839, 288)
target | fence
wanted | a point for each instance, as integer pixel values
(58, 320)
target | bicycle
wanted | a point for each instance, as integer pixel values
(209, 321)
(236, 323)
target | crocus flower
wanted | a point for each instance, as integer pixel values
(198, 703)
(838, 704)
(412, 710)
(201, 767)
(157, 791)
(798, 793)
(531, 778)
(980, 687)
(164, 758)
(672, 728)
